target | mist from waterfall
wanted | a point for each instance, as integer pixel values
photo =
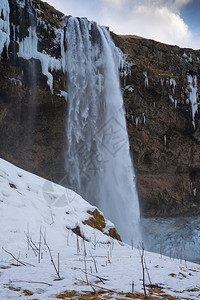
(98, 161)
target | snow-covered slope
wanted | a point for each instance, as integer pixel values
(30, 205)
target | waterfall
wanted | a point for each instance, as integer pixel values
(98, 161)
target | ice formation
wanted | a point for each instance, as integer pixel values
(193, 92)
(173, 100)
(146, 81)
(173, 84)
(4, 25)
(22, 3)
(28, 48)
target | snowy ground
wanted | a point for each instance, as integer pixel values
(30, 204)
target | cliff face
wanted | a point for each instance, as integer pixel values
(160, 96)
(32, 118)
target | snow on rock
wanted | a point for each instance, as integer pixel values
(16, 81)
(193, 94)
(187, 58)
(63, 94)
(129, 89)
(30, 205)
(4, 25)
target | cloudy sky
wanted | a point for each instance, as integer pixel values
(169, 21)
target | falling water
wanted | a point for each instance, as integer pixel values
(98, 161)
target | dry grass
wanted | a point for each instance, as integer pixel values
(104, 295)
(172, 274)
(155, 289)
(12, 186)
(67, 294)
(114, 234)
(97, 221)
(4, 267)
(15, 265)
(14, 289)
(27, 293)
(193, 290)
(183, 275)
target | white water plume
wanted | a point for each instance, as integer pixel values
(97, 158)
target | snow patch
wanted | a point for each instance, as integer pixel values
(129, 88)
(16, 81)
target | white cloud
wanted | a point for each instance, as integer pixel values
(156, 19)
(173, 4)
(157, 23)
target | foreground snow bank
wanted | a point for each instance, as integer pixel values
(29, 201)
(30, 205)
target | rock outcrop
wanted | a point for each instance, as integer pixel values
(161, 100)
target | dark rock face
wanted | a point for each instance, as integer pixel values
(32, 119)
(164, 141)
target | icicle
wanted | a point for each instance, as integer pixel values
(173, 84)
(193, 94)
(146, 81)
(28, 48)
(4, 25)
